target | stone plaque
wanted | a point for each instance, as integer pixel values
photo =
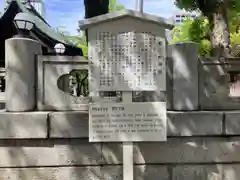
(114, 122)
(58, 83)
(127, 61)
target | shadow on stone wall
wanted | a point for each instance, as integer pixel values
(197, 149)
(53, 159)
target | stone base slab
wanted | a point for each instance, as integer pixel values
(74, 124)
(141, 172)
(23, 125)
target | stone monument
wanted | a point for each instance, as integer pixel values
(126, 58)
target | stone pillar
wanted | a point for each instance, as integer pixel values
(20, 58)
(184, 76)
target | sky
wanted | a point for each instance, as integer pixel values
(67, 13)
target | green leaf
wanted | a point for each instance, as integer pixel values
(114, 6)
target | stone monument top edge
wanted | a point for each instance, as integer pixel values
(85, 24)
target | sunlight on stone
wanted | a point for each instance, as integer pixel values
(230, 173)
(186, 131)
(193, 144)
(110, 156)
(214, 176)
(189, 103)
(171, 126)
(180, 64)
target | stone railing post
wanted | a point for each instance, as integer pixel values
(184, 57)
(20, 58)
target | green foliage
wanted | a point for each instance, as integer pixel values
(81, 77)
(190, 30)
(235, 38)
(199, 29)
(234, 23)
(206, 6)
(210, 8)
(114, 6)
(84, 49)
(79, 42)
(205, 47)
(180, 33)
(234, 7)
(196, 31)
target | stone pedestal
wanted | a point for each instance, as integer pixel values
(21, 74)
(185, 76)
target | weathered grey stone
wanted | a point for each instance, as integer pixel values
(23, 125)
(49, 153)
(232, 120)
(63, 173)
(74, 124)
(188, 150)
(197, 172)
(231, 172)
(21, 73)
(112, 153)
(185, 76)
(50, 70)
(214, 88)
(82, 173)
(69, 124)
(196, 123)
(149, 172)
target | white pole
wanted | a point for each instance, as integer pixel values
(127, 147)
(140, 6)
(136, 4)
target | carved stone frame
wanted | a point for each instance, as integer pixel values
(78, 62)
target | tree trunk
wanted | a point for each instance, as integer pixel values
(220, 36)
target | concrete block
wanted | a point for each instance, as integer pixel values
(199, 123)
(20, 65)
(112, 153)
(49, 153)
(232, 120)
(185, 76)
(63, 173)
(151, 172)
(214, 88)
(69, 124)
(231, 172)
(23, 125)
(197, 172)
(83, 173)
(189, 150)
(73, 124)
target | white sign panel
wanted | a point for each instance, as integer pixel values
(127, 61)
(114, 122)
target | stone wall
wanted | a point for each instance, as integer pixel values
(201, 145)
